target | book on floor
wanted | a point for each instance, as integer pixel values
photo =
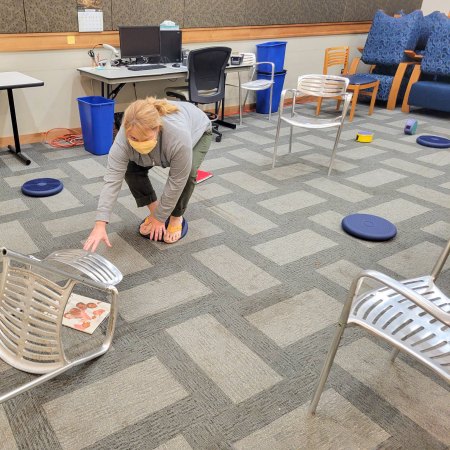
(202, 175)
(84, 313)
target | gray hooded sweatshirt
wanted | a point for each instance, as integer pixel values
(179, 134)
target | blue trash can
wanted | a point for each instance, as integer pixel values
(97, 121)
(271, 52)
(263, 97)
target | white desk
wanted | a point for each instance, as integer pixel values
(121, 75)
(8, 82)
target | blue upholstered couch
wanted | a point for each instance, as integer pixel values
(429, 85)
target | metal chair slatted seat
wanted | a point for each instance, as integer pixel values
(412, 315)
(32, 309)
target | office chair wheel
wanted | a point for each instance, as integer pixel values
(218, 138)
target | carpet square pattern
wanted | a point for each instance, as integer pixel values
(221, 337)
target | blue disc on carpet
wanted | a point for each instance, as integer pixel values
(369, 227)
(42, 187)
(184, 230)
(433, 141)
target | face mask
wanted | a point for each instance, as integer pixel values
(144, 147)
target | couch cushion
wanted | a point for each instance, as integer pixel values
(389, 37)
(427, 25)
(431, 95)
(437, 52)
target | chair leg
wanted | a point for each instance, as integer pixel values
(319, 105)
(326, 369)
(270, 102)
(354, 101)
(277, 137)
(342, 323)
(240, 107)
(394, 354)
(290, 139)
(374, 97)
(216, 131)
(336, 143)
(396, 83)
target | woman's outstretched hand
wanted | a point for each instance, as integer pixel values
(98, 234)
(154, 228)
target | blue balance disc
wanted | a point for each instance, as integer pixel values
(433, 141)
(42, 187)
(369, 227)
(184, 230)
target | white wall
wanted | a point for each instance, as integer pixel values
(54, 105)
(429, 6)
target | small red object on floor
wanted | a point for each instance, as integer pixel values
(202, 176)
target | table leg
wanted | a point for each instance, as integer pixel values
(103, 89)
(374, 97)
(354, 101)
(16, 149)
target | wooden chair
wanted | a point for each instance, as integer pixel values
(334, 56)
(387, 61)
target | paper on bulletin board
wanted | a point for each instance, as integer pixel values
(90, 15)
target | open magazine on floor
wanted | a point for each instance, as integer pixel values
(84, 313)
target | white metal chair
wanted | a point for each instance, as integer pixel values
(33, 296)
(254, 84)
(412, 315)
(317, 86)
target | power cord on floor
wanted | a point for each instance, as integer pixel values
(67, 140)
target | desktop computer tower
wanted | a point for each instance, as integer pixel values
(171, 46)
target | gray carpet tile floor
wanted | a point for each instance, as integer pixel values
(221, 337)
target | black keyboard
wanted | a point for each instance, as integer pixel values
(147, 67)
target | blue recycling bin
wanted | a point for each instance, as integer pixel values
(97, 121)
(263, 97)
(275, 52)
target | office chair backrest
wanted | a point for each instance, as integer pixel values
(206, 67)
(322, 85)
(336, 56)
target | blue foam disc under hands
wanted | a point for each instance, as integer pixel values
(42, 187)
(433, 141)
(184, 230)
(369, 227)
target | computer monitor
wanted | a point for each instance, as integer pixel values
(171, 46)
(140, 41)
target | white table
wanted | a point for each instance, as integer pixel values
(119, 76)
(8, 82)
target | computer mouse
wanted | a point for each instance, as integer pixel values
(176, 65)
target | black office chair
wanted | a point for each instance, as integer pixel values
(206, 81)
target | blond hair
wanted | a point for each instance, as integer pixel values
(145, 114)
